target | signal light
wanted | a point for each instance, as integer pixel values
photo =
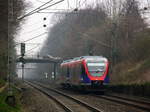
(22, 49)
(145, 8)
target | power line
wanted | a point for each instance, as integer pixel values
(39, 9)
(32, 38)
(58, 9)
(31, 12)
(28, 32)
(28, 51)
(50, 5)
(59, 12)
(29, 44)
(33, 24)
(34, 43)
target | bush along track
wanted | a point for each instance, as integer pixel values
(4, 107)
(142, 90)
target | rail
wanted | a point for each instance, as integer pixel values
(126, 101)
(44, 89)
(93, 109)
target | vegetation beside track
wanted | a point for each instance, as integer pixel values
(131, 78)
(142, 90)
(4, 107)
(2, 82)
(131, 73)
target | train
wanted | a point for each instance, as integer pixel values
(85, 71)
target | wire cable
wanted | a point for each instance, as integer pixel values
(34, 10)
(50, 5)
(32, 49)
(39, 9)
(28, 32)
(32, 38)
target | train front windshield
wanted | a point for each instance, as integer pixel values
(96, 69)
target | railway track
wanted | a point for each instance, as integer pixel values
(67, 102)
(143, 105)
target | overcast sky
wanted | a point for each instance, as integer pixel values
(33, 26)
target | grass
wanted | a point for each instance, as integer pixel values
(2, 82)
(132, 78)
(5, 107)
(131, 73)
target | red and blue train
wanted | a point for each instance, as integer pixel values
(85, 71)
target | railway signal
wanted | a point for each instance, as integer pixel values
(22, 49)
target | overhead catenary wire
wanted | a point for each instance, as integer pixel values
(28, 51)
(35, 37)
(50, 5)
(64, 11)
(39, 9)
(33, 43)
(33, 24)
(32, 49)
(33, 30)
(34, 10)
(32, 38)
(59, 12)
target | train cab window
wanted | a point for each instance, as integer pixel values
(96, 69)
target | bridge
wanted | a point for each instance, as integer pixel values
(46, 59)
(37, 60)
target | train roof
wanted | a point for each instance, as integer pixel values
(86, 58)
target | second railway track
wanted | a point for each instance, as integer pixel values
(143, 105)
(69, 103)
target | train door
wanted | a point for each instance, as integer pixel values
(84, 78)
